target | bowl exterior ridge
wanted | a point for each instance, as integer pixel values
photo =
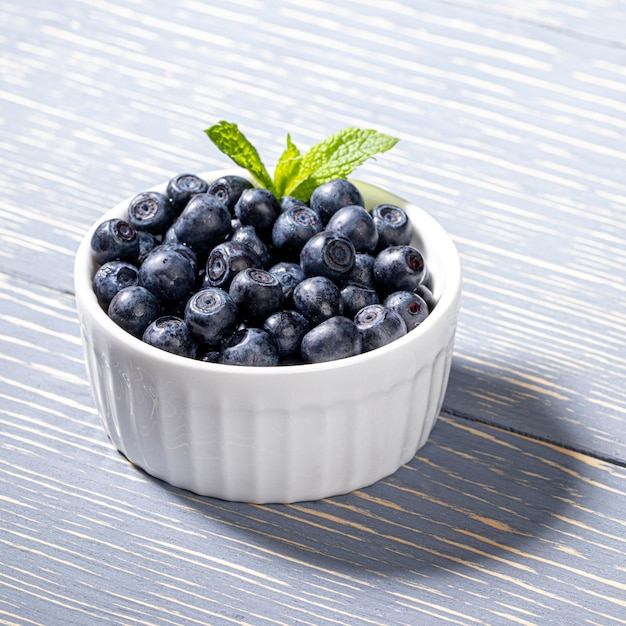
(284, 451)
(282, 434)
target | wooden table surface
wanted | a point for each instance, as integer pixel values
(512, 120)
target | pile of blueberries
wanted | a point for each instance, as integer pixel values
(226, 273)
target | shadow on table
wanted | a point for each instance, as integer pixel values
(475, 495)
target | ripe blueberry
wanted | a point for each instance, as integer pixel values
(287, 327)
(426, 294)
(168, 274)
(378, 326)
(288, 275)
(248, 236)
(398, 268)
(328, 253)
(249, 346)
(113, 277)
(318, 299)
(133, 308)
(183, 187)
(292, 229)
(409, 306)
(204, 223)
(289, 202)
(186, 251)
(357, 224)
(151, 211)
(147, 242)
(363, 271)
(228, 189)
(211, 315)
(259, 208)
(248, 244)
(355, 297)
(226, 260)
(171, 334)
(393, 226)
(329, 197)
(256, 293)
(335, 338)
(114, 240)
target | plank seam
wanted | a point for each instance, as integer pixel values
(455, 414)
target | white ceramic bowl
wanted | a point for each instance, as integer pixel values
(274, 434)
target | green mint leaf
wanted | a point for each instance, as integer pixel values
(304, 189)
(337, 156)
(298, 174)
(286, 168)
(233, 143)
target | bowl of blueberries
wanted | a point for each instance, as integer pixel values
(251, 348)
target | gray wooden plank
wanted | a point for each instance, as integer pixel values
(482, 526)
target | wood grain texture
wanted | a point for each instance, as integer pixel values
(512, 121)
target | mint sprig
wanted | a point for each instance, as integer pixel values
(232, 142)
(287, 168)
(298, 174)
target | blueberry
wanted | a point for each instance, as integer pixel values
(186, 251)
(427, 281)
(151, 211)
(426, 294)
(168, 274)
(363, 271)
(170, 236)
(289, 202)
(329, 197)
(393, 226)
(256, 293)
(208, 354)
(357, 224)
(328, 253)
(171, 334)
(378, 326)
(335, 338)
(183, 187)
(226, 260)
(229, 189)
(113, 277)
(248, 236)
(288, 275)
(318, 299)
(133, 309)
(114, 240)
(292, 229)
(287, 328)
(259, 208)
(250, 346)
(211, 315)
(409, 306)
(398, 268)
(355, 297)
(204, 223)
(147, 242)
